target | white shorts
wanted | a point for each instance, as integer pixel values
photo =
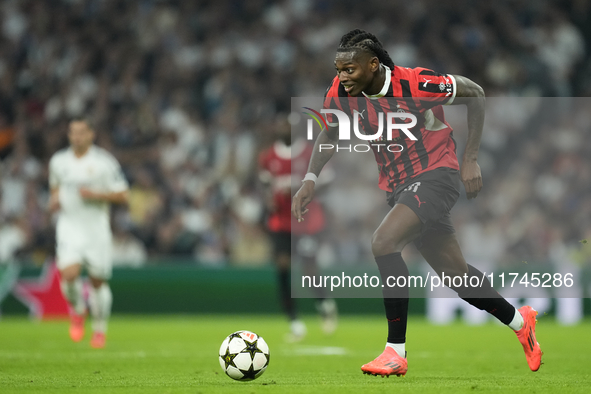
(90, 247)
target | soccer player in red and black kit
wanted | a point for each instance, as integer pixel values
(276, 166)
(422, 183)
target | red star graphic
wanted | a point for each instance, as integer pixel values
(43, 295)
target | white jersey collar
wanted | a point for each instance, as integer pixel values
(386, 86)
(90, 150)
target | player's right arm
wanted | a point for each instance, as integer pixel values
(317, 161)
(471, 95)
(266, 180)
(54, 200)
(54, 190)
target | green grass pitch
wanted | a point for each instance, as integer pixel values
(178, 354)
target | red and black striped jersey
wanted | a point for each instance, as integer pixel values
(277, 165)
(419, 91)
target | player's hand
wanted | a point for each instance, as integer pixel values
(88, 194)
(471, 178)
(301, 199)
(54, 203)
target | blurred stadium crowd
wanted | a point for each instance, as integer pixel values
(184, 93)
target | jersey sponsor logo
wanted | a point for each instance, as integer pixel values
(426, 82)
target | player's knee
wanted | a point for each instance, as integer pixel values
(70, 273)
(383, 244)
(96, 282)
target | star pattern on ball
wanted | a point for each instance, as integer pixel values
(229, 358)
(250, 374)
(251, 347)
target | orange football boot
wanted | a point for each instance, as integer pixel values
(76, 327)
(527, 337)
(386, 364)
(98, 340)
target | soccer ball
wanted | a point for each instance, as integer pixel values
(244, 355)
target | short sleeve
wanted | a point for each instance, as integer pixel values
(116, 181)
(434, 88)
(53, 173)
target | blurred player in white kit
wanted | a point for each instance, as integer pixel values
(84, 180)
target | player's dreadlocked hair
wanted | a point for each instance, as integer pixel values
(361, 40)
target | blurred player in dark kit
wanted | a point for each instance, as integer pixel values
(277, 164)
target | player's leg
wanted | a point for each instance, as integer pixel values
(72, 288)
(70, 246)
(69, 262)
(400, 226)
(443, 253)
(307, 249)
(100, 297)
(100, 300)
(282, 258)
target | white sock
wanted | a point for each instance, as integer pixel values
(298, 328)
(399, 347)
(73, 293)
(517, 322)
(100, 301)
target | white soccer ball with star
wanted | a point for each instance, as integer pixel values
(244, 355)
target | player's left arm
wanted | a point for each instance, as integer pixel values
(121, 197)
(472, 95)
(116, 191)
(266, 181)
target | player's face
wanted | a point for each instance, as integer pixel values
(355, 71)
(283, 131)
(80, 135)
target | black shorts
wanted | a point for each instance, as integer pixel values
(305, 245)
(431, 195)
(281, 242)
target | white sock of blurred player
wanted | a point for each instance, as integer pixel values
(329, 314)
(100, 301)
(73, 293)
(298, 331)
